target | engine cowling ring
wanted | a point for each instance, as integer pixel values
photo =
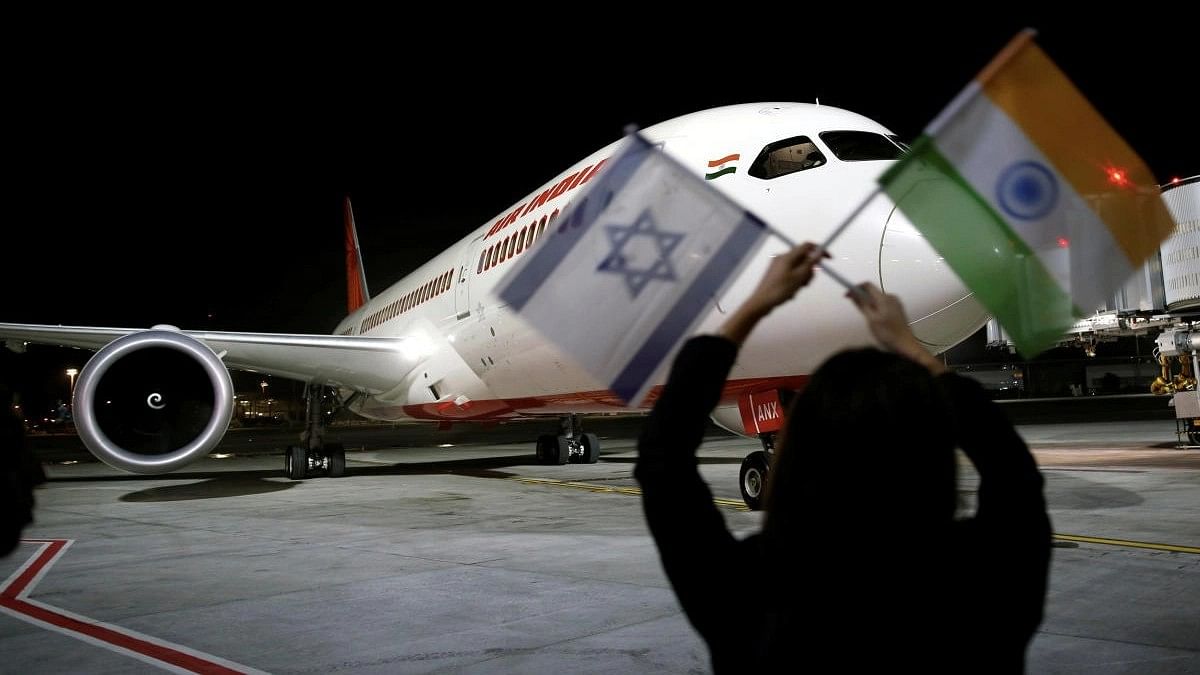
(125, 419)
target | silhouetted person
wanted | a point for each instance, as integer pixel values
(861, 564)
(19, 473)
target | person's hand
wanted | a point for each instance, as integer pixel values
(888, 323)
(786, 275)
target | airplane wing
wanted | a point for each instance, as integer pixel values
(369, 364)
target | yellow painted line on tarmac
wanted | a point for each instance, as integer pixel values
(1130, 544)
(734, 504)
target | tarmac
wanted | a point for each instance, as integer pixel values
(472, 558)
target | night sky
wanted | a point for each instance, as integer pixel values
(198, 181)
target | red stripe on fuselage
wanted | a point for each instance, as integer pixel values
(579, 401)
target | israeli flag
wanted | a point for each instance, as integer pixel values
(632, 266)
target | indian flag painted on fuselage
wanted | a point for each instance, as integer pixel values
(1034, 201)
(722, 166)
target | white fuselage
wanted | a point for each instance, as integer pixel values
(476, 359)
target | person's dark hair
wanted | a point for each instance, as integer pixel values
(869, 440)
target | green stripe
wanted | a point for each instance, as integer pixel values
(718, 174)
(978, 244)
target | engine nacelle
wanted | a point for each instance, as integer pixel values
(153, 401)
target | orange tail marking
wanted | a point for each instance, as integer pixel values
(356, 280)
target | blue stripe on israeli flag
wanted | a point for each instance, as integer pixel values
(575, 222)
(679, 319)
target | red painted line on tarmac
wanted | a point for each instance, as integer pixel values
(32, 568)
(12, 599)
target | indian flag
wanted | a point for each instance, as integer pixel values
(1034, 201)
(720, 167)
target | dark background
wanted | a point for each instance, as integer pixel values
(193, 172)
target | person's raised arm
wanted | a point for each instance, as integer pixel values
(787, 274)
(886, 319)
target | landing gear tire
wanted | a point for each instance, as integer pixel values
(553, 449)
(753, 479)
(562, 450)
(337, 459)
(295, 462)
(591, 448)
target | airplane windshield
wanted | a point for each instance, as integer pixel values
(787, 156)
(904, 145)
(858, 146)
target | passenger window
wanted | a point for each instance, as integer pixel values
(787, 156)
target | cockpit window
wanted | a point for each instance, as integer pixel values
(787, 156)
(860, 146)
(904, 145)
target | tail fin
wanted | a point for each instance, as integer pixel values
(356, 278)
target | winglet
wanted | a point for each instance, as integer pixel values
(356, 278)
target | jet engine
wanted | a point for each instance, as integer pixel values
(153, 401)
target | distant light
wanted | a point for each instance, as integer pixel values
(221, 455)
(1175, 180)
(446, 445)
(1063, 242)
(1118, 177)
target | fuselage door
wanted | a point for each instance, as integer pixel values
(466, 270)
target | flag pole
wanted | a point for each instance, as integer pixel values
(828, 240)
(817, 254)
(1007, 53)
(631, 129)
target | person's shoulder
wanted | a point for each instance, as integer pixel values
(710, 340)
(705, 349)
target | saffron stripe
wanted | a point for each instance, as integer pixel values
(1043, 102)
(718, 162)
(984, 145)
(634, 377)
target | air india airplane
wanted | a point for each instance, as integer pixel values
(439, 345)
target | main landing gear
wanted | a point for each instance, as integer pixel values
(756, 468)
(570, 445)
(314, 457)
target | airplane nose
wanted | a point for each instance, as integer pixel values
(941, 310)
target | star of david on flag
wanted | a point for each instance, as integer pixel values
(632, 267)
(639, 267)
